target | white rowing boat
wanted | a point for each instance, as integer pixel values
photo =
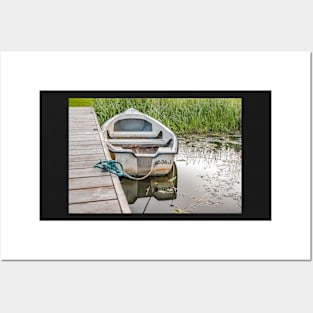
(143, 145)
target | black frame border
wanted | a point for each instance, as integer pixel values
(256, 154)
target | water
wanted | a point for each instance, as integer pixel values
(206, 178)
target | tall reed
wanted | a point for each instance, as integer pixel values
(182, 115)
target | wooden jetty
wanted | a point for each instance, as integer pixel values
(91, 190)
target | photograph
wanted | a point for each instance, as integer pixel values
(154, 156)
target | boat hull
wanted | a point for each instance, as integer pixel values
(141, 166)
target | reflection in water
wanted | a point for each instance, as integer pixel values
(159, 187)
(206, 179)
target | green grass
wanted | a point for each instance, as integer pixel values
(81, 102)
(183, 116)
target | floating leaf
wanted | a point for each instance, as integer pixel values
(181, 211)
(172, 179)
(147, 190)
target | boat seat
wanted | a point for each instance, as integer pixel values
(143, 134)
(139, 142)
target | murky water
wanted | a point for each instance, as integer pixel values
(206, 178)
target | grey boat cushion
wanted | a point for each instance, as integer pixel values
(134, 124)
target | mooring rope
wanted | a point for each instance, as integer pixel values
(117, 169)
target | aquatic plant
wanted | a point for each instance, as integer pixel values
(182, 115)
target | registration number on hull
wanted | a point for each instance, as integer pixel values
(163, 162)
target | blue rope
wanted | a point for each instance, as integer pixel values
(117, 169)
(111, 166)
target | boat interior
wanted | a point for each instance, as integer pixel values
(138, 135)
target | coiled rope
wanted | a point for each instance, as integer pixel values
(117, 169)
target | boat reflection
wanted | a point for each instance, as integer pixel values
(159, 187)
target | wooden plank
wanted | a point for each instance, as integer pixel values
(86, 172)
(77, 124)
(85, 143)
(84, 147)
(86, 157)
(81, 125)
(91, 194)
(85, 151)
(80, 110)
(78, 143)
(88, 130)
(82, 118)
(121, 195)
(97, 207)
(80, 115)
(82, 164)
(90, 182)
(83, 138)
(81, 122)
(82, 131)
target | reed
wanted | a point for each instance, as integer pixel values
(182, 115)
